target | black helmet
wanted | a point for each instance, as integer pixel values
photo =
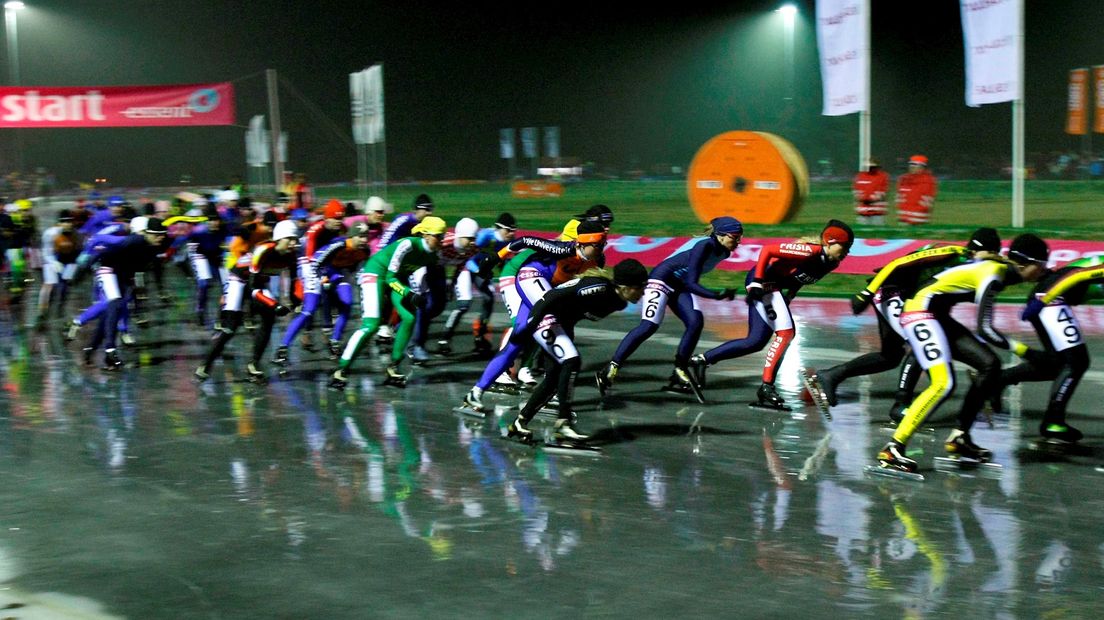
(507, 221)
(984, 239)
(1028, 248)
(630, 272)
(423, 202)
(598, 213)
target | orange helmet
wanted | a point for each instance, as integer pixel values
(919, 160)
(334, 210)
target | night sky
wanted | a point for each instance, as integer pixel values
(630, 89)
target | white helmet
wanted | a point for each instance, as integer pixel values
(466, 227)
(139, 224)
(285, 229)
(375, 203)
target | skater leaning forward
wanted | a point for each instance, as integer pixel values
(384, 284)
(936, 338)
(781, 271)
(551, 325)
(887, 292)
(675, 282)
(1065, 357)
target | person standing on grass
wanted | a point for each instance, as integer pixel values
(916, 192)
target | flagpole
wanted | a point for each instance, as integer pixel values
(1018, 132)
(864, 114)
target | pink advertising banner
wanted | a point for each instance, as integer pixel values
(866, 255)
(117, 106)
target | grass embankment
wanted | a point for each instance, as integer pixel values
(1054, 210)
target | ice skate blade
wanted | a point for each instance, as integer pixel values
(812, 385)
(888, 472)
(467, 411)
(1060, 448)
(571, 449)
(951, 464)
(762, 407)
(499, 388)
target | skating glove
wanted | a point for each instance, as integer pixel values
(727, 294)
(282, 310)
(419, 300)
(755, 291)
(1034, 307)
(487, 264)
(860, 301)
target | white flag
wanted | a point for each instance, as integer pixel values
(844, 43)
(529, 142)
(991, 31)
(256, 147)
(373, 103)
(506, 143)
(356, 100)
(552, 142)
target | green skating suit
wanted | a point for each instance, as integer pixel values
(384, 284)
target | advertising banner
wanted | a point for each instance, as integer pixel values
(844, 45)
(866, 254)
(1076, 121)
(117, 106)
(992, 34)
(1098, 88)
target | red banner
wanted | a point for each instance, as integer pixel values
(866, 254)
(117, 106)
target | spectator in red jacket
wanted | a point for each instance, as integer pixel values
(869, 188)
(915, 192)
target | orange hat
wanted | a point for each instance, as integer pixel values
(335, 210)
(919, 160)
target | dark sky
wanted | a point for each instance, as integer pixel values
(629, 88)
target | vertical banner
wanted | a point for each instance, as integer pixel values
(1098, 87)
(991, 35)
(366, 103)
(357, 106)
(529, 142)
(844, 45)
(257, 152)
(373, 103)
(552, 142)
(1076, 121)
(506, 143)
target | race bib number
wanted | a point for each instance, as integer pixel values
(1061, 326)
(654, 303)
(926, 337)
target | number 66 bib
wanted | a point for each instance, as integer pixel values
(925, 336)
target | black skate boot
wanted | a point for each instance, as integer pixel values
(959, 445)
(769, 399)
(892, 456)
(335, 349)
(394, 377)
(255, 374)
(338, 381)
(604, 378)
(111, 360)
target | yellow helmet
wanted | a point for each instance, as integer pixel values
(431, 225)
(24, 204)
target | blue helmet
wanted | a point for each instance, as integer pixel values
(726, 225)
(115, 201)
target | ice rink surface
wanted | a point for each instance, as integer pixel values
(141, 494)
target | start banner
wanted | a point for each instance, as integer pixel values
(117, 106)
(866, 255)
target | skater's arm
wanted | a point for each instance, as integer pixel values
(695, 264)
(985, 327)
(1072, 279)
(554, 301)
(925, 257)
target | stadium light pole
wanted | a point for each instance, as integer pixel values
(789, 14)
(11, 23)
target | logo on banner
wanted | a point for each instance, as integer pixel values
(201, 101)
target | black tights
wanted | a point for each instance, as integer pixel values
(231, 321)
(560, 379)
(1064, 368)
